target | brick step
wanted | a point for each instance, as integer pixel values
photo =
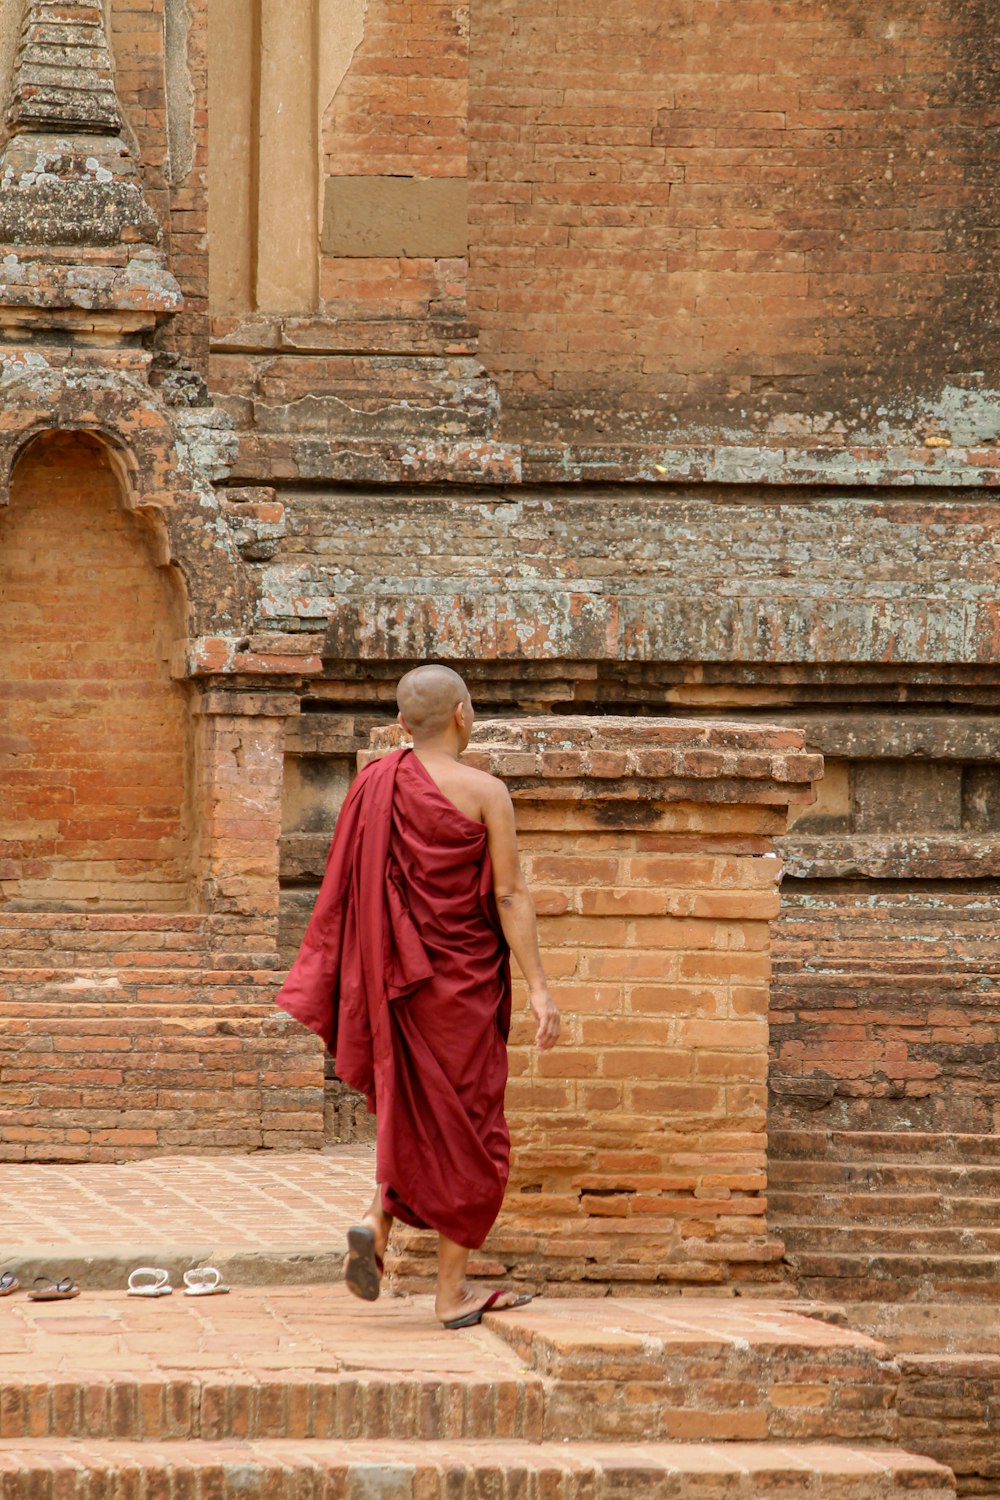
(863, 1177)
(927, 1327)
(712, 1371)
(198, 1005)
(715, 1370)
(462, 1470)
(921, 1208)
(217, 1405)
(827, 1276)
(875, 1147)
(13, 920)
(948, 1407)
(798, 966)
(59, 966)
(879, 1238)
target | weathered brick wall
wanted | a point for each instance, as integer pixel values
(768, 217)
(124, 1036)
(948, 1404)
(886, 1009)
(401, 108)
(94, 732)
(161, 71)
(640, 1142)
(130, 1034)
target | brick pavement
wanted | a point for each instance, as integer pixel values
(253, 1334)
(261, 1218)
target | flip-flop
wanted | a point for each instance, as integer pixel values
(8, 1284)
(44, 1289)
(158, 1286)
(363, 1273)
(203, 1281)
(470, 1320)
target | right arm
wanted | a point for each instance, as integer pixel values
(516, 909)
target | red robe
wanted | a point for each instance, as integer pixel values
(404, 972)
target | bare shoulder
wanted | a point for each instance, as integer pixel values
(489, 791)
(489, 787)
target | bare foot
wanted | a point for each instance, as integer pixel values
(379, 1223)
(366, 1246)
(470, 1300)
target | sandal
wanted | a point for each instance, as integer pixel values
(8, 1284)
(154, 1282)
(44, 1289)
(363, 1272)
(203, 1281)
(470, 1320)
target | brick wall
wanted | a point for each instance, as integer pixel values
(886, 1009)
(400, 113)
(647, 1123)
(401, 108)
(94, 731)
(124, 1036)
(689, 215)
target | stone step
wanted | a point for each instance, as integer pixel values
(854, 1147)
(866, 1277)
(879, 1238)
(920, 1208)
(463, 1470)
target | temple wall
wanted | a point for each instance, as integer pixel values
(637, 360)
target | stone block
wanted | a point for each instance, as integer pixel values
(396, 216)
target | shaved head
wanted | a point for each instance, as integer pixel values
(427, 697)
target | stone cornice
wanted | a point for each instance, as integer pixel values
(616, 760)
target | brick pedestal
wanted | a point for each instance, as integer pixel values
(640, 1142)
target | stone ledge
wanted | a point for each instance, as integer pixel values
(887, 857)
(623, 759)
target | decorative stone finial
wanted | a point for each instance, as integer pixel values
(69, 183)
(63, 77)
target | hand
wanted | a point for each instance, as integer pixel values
(547, 1017)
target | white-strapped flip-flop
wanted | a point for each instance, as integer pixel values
(149, 1281)
(203, 1281)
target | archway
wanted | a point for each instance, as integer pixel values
(94, 732)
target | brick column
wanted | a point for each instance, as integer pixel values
(238, 791)
(640, 1142)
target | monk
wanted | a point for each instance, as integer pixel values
(404, 972)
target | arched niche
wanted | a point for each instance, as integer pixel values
(159, 473)
(95, 733)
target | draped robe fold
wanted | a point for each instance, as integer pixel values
(404, 972)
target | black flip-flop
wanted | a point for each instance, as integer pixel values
(363, 1274)
(8, 1284)
(44, 1289)
(469, 1320)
